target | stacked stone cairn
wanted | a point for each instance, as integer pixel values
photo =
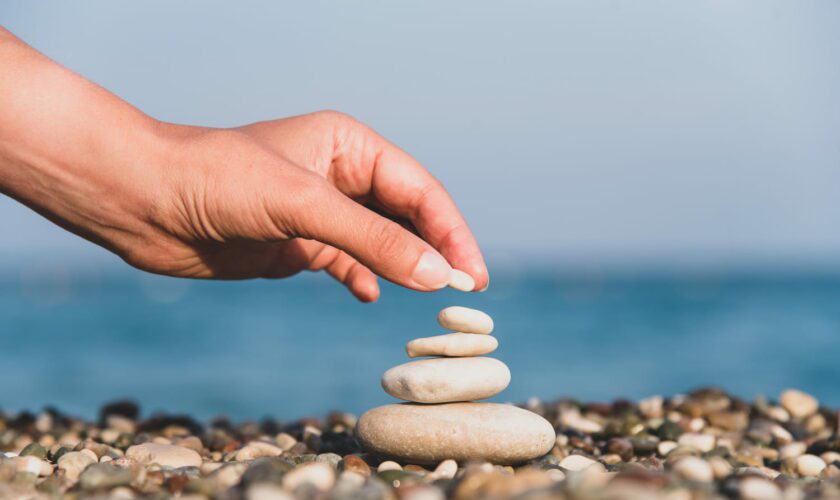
(440, 419)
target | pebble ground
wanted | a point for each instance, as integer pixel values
(703, 444)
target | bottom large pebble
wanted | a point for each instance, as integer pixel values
(417, 433)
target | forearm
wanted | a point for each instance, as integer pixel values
(63, 138)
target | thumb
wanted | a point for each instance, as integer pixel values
(382, 245)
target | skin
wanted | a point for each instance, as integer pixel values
(266, 200)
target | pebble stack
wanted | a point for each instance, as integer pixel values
(441, 419)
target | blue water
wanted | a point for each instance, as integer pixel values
(303, 346)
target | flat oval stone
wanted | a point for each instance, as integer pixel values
(428, 434)
(445, 380)
(452, 344)
(466, 320)
(167, 455)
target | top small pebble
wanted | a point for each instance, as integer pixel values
(459, 280)
(466, 320)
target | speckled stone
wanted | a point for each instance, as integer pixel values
(452, 344)
(501, 434)
(445, 380)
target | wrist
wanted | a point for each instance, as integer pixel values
(100, 180)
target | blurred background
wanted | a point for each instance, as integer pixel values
(656, 185)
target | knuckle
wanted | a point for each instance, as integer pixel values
(336, 118)
(388, 240)
(305, 192)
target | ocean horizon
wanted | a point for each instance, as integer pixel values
(301, 347)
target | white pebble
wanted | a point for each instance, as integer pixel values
(388, 465)
(33, 465)
(651, 407)
(446, 469)
(452, 344)
(74, 462)
(555, 474)
(694, 469)
(579, 423)
(350, 479)
(809, 465)
(267, 491)
(285, 441)
(720, 467)
(798, 403)
(422, 492)
(702, 442)
(756, 488)
(445, 380)
(782, 435)
(665, 447)
(576, 463)
(459, 280)
(792, 450)
(318, 474)
(465, 320)
(257, 449)
(778, 413)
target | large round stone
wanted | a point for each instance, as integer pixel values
(444, 380)
(416, 433)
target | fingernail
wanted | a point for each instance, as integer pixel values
(432, 271)
(459, 280)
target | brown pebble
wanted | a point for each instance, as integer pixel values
(354, 463)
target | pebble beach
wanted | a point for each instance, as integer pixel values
(701, 444)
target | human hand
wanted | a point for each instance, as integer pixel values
(274, 198)
(264, 200)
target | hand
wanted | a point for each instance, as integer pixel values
(260, 213)
(265, 200)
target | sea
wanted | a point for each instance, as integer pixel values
(303, 346)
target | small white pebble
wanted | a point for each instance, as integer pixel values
(756, 488)
(799, 404)
(702, 442)
(694, 469)
(720, 467)
(580, 423)
(665, 447)
(123, 492)
(576, 463)
(285, 441)
(459, 280)
(446, 469)
(465, 320)
(792, 450)
(555, 474)
(267, 491)
(696, 424)
(318, 474)
(422, 492)
(351, 479)
(388, 465)
(651, 407)
(809, 465)
(782, 435)
(778, 413)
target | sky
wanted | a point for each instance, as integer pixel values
(591, 132)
